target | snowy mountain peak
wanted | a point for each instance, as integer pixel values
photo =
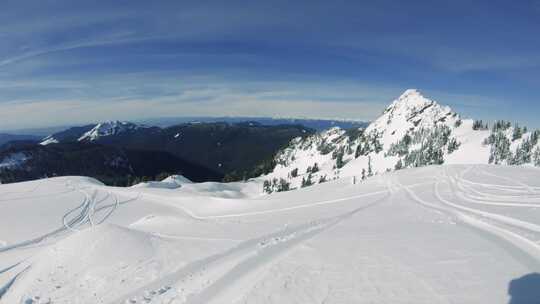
(109, 128)
(411, 93)
(411, 100)
(413, 131)
(412, 110)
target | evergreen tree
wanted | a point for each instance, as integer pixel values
(349, 150)
(399, 165)
(283, 185)
(339, 160)
(536, 157)
(517, 133)
(370, 169)
(294, 173)
(306, 182)
(479, 125)
(267, 186)
(358, 151)
(500, 148)
(523, 153)
(534, 137)
(501, 125)
(401, 148)
(453, 145)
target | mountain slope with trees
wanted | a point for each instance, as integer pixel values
(111, 165)
(236, 151)
(414, 131)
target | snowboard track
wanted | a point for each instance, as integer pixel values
(243, 259)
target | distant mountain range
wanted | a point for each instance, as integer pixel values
(317, 124)
(5, 138)
(123, 152)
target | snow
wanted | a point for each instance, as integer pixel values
(439, 234)
(13, 160)
(410, 110)
(49, 140)
(171, 182)
(409, 114)
(108, 128)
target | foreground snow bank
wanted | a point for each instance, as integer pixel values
(413, 236)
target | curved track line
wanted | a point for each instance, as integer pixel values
(490, 196)
(270, 211)
(501, 187)
(496, 217)
(525, 245)
(85, 215)
(529, 188)
(226, 266)
(462, 194)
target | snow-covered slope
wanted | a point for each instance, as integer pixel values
(413, 131)
(440, 234)
(109, 128)
(92, 132)
(171, 182)
(50, 139)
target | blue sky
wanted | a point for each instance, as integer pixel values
(72, 62)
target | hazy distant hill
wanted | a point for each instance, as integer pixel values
(5, 138)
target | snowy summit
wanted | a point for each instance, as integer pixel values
(109, 128)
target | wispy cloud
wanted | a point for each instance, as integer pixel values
(92, 61)
(204, 99)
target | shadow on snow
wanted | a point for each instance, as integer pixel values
(525, 290)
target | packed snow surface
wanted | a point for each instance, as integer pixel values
(171, 182)
(440, 234)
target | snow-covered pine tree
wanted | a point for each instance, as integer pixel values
(283, 185)
(453, 145)
(517, 133)
(339, 159)
(500, 148)
(306, 182)
(370, 169)
(479, 125)
(523, 153)
(399, 165)
(536, 157)
(267, 187)
(294, 173)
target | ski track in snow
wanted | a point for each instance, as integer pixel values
(233, 271)
(495, 227)
(531, 190)
(201, 281)
(519, 188)
(75, 219)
